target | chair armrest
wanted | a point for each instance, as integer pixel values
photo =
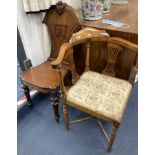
(63, 52)
(57, 63)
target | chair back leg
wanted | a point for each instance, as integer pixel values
(113, 135)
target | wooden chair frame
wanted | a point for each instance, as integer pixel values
(61, 21)
(88, 35)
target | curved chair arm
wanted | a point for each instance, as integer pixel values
(63, 49)
(57, 64)
(126, 43)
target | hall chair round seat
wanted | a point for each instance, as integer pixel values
(42, 77)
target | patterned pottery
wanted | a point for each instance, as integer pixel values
(92, 9)
(106, 5)
(119, 1)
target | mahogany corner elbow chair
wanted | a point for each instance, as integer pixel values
(62, 21)
(102, 95)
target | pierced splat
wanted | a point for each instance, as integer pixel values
(69, 63)
(113, 51)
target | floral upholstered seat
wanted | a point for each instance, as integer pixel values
(101, 93)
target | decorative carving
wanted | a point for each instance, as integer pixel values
(60, 7)
(62, 20)
(113, 51)
(60, 33)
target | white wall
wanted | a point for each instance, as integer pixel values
(76, 4)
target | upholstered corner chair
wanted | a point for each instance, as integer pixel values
(101, 95)
(61, 20)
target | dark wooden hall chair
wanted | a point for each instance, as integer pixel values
(101, 95)
(61, 20)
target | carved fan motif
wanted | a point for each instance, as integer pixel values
(113, 51)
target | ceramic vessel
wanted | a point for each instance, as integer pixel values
(92, 9)
(106, 5)
(119, 1)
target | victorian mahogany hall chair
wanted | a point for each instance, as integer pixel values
(101, 95)
(62, 21)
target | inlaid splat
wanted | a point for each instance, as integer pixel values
(113, 51)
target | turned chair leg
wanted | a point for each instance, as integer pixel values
(55, 102)
(65, 111)
(113, 135)
(27, 94)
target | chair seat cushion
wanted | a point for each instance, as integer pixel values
(42, 76)
(100, 94)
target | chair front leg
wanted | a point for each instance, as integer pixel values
(27, 94)
(55, 102)
(65, 110)
(113, 135)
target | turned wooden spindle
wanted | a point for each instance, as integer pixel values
(87, 56)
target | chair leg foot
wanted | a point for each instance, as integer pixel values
(56, 111)
(30, 105)
(65, 111)
(113, 136)
(57, 120)
(27, 94)
(55, 103)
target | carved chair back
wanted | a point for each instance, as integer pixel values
(61, 20)
(114, 46)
